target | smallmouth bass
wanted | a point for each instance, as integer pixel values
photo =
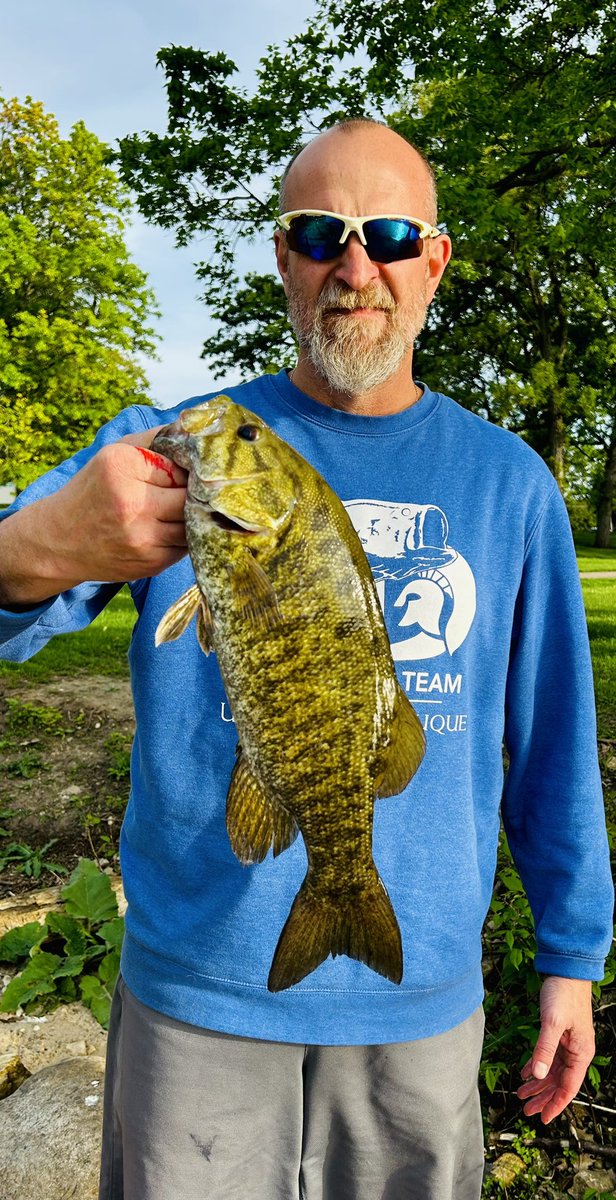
(286, 599)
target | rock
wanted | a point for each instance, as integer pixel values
(63, 1033)
(507, 1168)
(50, 1133)
(12, 1074)
(600, 1181)
(76, 1048)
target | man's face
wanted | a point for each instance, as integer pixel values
(356, 320)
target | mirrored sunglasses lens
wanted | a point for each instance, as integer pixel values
(318, 237)
(390, 241)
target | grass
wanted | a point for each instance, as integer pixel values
(100, 649)
(591, 559)
(600, 604)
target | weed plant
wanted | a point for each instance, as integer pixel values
(74, 954)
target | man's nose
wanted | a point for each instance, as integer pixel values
(355, 268)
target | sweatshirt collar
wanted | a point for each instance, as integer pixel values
(345, 422)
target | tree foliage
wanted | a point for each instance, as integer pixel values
(514, 102)
(73, 307)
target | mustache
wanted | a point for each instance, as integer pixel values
(339, 295)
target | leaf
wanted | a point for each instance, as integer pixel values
(109, 968)
(69, 929)
(112, 932)
(17, 943)
(66, 989)
(89, 894)
(595, 1077)
(512, 881)
(36, 979)
(491, 1076)
(96, 997)
(73, 965)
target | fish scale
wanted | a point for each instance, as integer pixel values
(286, 600)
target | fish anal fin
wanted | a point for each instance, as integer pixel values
(362, 925)
(254, 593)
(405, 750)
(255, 822)
(178, 617)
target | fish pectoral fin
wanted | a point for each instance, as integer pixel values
(404, 751)
(254, 593)
(177, 619)
(255, 822)
(362, 925)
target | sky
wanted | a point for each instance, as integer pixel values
(97, 63)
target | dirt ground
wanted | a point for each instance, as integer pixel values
(64, 749)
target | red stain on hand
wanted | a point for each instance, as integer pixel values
(158, 460)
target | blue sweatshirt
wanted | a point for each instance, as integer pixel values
(470, 545)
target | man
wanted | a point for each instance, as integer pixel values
(345, 1085)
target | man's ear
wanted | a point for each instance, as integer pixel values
(439, 255)
(282, 255)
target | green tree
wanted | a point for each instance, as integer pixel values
(74, 309)
(514, 101)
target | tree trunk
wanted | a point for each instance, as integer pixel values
(607, 497)
(556, 445)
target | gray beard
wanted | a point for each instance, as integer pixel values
(349, 356)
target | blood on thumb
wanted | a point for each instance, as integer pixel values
(159, 461)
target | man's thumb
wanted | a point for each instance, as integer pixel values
(543, 1055)
(176, 475)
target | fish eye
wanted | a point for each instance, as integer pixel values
(249, 433)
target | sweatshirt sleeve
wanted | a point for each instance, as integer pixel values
(552, 809)
(24, 633)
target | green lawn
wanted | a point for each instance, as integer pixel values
(100, 649)
(600, 604)
(591, 559)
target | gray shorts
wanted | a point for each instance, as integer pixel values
(195, 1115)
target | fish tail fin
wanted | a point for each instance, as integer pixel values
(362, 925)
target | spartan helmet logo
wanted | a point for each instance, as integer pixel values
(432, 588)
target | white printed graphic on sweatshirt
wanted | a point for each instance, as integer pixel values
(431, 589)
(429, 584)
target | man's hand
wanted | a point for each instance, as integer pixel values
(119, 518)
(565, 1048)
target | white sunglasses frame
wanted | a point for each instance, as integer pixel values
(355, 224)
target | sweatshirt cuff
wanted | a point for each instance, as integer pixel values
(575, 966)
(13, 622)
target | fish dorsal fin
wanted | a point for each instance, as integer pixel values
(253, 592)
(254, 821)
(405, 750)
(178, 617)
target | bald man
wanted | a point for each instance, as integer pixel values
(346, 1086)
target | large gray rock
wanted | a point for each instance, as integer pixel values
(50, 1133)
(597, 1179)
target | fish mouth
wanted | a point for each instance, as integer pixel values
(230, 524)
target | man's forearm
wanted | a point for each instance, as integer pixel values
(30, 571)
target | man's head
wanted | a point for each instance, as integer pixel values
(356, 319)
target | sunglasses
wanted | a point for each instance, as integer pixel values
(321, 235)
